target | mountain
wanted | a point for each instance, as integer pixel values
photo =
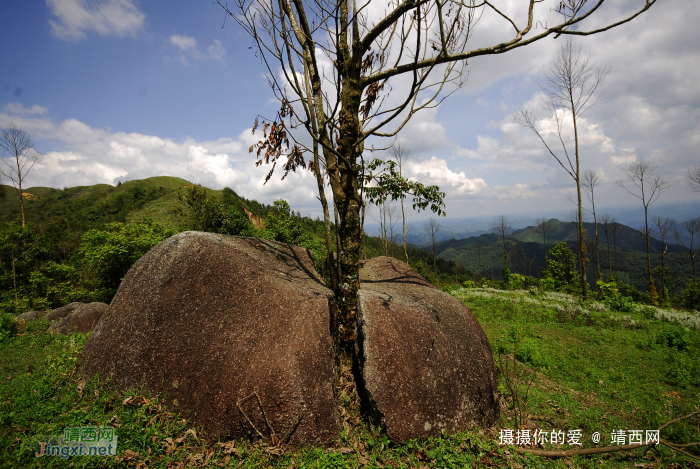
(526, 253)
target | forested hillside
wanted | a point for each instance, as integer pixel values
(622, 256)
(79, 242)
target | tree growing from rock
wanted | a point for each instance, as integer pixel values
(21, 158)
(649, 187)
(333, 65)
(571, 86)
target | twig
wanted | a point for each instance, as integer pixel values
(292, 429)
(238, 404)
(267, 422)
(274, 441)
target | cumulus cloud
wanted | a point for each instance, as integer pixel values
(82, 155)
(74, 18)
(188, 50)
(436, 172)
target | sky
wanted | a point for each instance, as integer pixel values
(115, 90)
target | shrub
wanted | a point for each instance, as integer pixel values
(690, 298)
(109, 254)
(561, 268)
(611, 297)
(515, 281)
(8, 325)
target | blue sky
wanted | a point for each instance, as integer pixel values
(120, 89)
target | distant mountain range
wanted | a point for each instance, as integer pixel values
(466, 227)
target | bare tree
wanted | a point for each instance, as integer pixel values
(608, 221)
(649, 186)
(431, 228)
(590, 180)
(571, 85)
(694, 178)
(502, 227)
(692, 227)
(401, 154)
(19, 147)
(340, 100)
(664, 225)
(478, 249)
(616, 230)
(393, 219)
(542, 227)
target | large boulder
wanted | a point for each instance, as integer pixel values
(210, 320)
(30, 316)
(63, 311)
(80, 317)
(425, 364)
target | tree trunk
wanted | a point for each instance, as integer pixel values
(403, 217)
(347, 199)
(582, 246)
(595, 224)
(330, 264)
(653, 297)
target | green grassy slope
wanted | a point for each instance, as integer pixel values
(591, 369)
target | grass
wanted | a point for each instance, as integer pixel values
(594, 369)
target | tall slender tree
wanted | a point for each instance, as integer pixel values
(571, 85)
(616, 230)
(502, 227)
(649, 187)
(607, 221)
(431, 229)
(401, 154)
(692, 227)
(590, 180)
(664, 226)
(478, 250)
(542, 227)
(22, 157)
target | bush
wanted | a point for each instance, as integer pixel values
(109, 254)
(690, 298)
(515, 281)
(611, 296)
(8, 325)
(561, 268)
(672, 337)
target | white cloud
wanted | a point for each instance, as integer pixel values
(435, 172)
(19, 109)
(183, 42)
(86, 156)
(74, 18)
(187, 46)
